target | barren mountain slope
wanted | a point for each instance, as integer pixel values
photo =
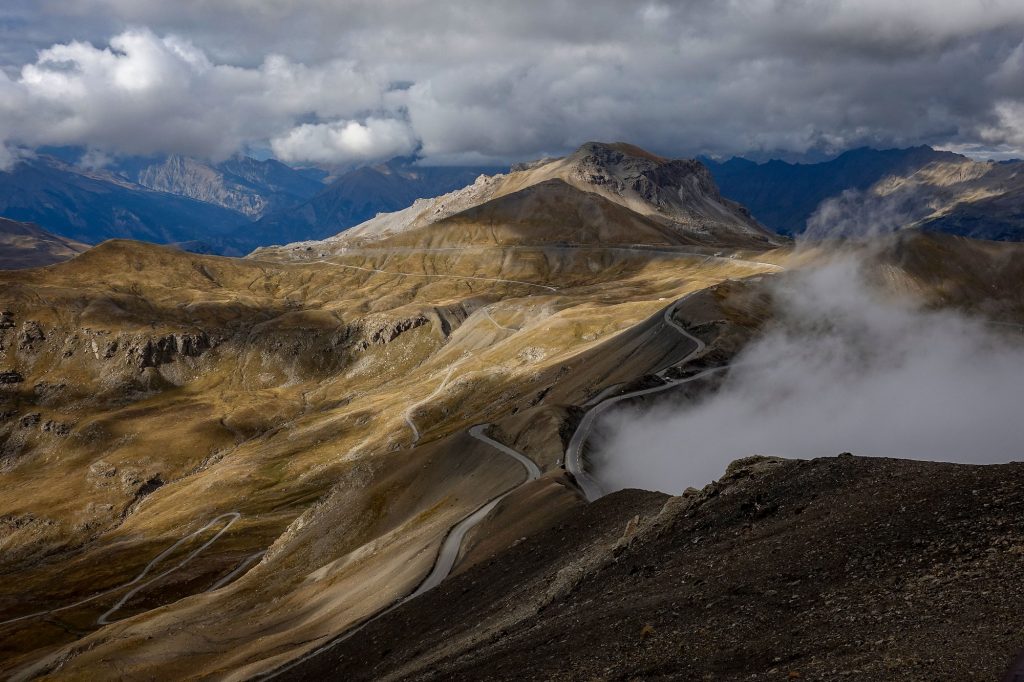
(832, 568)
(552, 211)
(149, 392)
(222, 464)
(677, 195)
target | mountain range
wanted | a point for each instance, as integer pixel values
(383, 455)
(915, 187)
(234, 206)
(230, 207)
(243, 184)
(93, 205)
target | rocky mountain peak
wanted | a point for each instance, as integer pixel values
(627, 169)
(681, 190)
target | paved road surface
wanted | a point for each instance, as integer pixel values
(574, 463)
(246, 563)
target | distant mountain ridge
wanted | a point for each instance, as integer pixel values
(601, 194)
(234, 206)
(784, 195)
(358, 196)
(982, 200)
(229, 207)
(242, 184)
(91, 206)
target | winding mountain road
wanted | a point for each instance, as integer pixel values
(407, 415)
(446, 555)
(409, 410)
(103, 619)
(449, 551)
(466, 277)
(533, 471)
(233, 516)
(574, 462)
(487, 313)
(246, 563)
(452, 543)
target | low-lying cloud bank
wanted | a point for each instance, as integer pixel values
(867, 214)
(843, 368)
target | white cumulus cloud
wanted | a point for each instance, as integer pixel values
(146, 94)
(345, 141)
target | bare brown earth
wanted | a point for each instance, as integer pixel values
(833, 568)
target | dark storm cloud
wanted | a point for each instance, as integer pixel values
(510, 80)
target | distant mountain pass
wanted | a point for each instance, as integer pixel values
(24, 245)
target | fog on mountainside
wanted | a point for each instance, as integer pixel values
(863, 214)
(983, 200)
(844, 367)
(886, 189)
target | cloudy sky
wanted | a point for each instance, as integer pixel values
(471, 80)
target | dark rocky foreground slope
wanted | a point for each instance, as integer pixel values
(840, 567)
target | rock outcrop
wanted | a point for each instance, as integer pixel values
(681, 190)
(164, 349)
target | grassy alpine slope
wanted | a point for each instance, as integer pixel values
(293, 426)
(157, 390)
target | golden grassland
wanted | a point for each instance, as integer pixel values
(294, 417)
